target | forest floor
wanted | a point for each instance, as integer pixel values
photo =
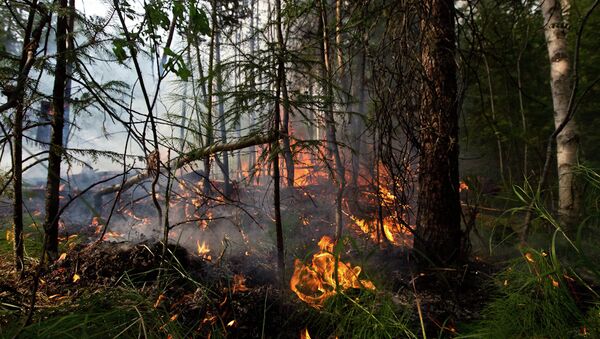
(108, 288)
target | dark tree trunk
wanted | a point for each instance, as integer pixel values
(438, 235)
(57, 123)
(18, 186)
(18, 152)
(275, 147)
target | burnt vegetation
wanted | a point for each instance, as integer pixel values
(299, 169)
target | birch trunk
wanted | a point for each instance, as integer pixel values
(567, 142)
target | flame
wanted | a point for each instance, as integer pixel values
(316, 282)
(395, 233)
(203, 250)
(96, 223)
(304, 334)
(306, 171)
(111, 234)
(463, 186)
(239, 283)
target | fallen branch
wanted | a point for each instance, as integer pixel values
(194, 155)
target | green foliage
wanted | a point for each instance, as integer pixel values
(533, 301)
(120, 312)
(361, 314)
(592, 323)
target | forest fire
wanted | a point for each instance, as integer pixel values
(307, 172)
(165, 163)
(318, 281)
(203, 250)
(395, 233)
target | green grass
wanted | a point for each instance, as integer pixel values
(532, 301)
(361, 314)
(33, 235)
(118, 312)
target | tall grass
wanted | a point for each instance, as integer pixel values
(536, 295)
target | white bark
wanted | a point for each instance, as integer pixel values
(567, 142)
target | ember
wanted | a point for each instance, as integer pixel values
(316, 282)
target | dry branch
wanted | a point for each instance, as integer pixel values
(194, 155)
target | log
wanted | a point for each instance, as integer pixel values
(194, 155)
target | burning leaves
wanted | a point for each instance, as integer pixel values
(325, 276)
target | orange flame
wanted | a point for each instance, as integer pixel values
(316, 282)
(111, 234)
(306, 172)
(203, 250)
(395, 233)
(239, 283)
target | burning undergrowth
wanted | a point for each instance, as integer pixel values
(220, 272)
(325, 276)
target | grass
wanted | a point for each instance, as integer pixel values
(361, 314)
(33, 234)
(532, 300)
(117, 312)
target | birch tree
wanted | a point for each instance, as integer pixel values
(567, 141)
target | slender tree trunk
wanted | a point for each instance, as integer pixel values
(332, 146)
(438, 235)
(275, 146)
(18, 154)
(567, 141)
(358, 118)
(285, 124)
(522, 107)
(222, 121)
(18, 186)
(253, 25)
(209, 97)
(56, 147)
(497, 133)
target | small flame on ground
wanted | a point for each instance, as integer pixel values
(203, 250)
(111, 234)
(239, 283)
(316, 282)
(304, 334)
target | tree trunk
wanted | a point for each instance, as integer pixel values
(567, 141)
(275, 146)
(18, 153)
(57, 124)
(438, 234)
(209, 98)
(18, 186)
(332, 146)
(223, 123)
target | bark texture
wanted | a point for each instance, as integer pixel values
(438, 234)
(56, 147)
(567, 141)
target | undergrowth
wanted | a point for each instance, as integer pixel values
(361, 314)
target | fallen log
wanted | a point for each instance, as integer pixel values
(194, 155)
